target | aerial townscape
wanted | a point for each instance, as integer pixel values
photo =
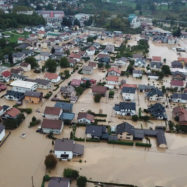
(93, 93)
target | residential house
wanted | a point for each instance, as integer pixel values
(157, 66)
(52, 126)
(153, 76)
(59, 182)
(2, 132)
(145, 88)
(43, 84)
(68, 91)
(75, 82)
(66, 107)
(177, 65)
(140, 62)
(66, 149)
(179, 98)
(25, 66)
(14, 95)
(18, 57)
(87, 70)
(90, 51)
(52, 112)
(177, 84)
(125, 109)
(137, 73)
(156, 58)
(93, 65)
(43, 56)
(72, 62)
(128, 93)
(11, 113)
(5, 76)
(85, 118)
(33, 97)
(157, 111)
(3, 109)
(67, 117)
(23, 86)
(53, 77)
(180, 113)
(18, 71)
(96, 131)
(155, 95)
(99, 90)
(121, 61)
(75, 56)
(177, 75)
(114, 72)
(112, 81)
(137, 56)
(103, 59)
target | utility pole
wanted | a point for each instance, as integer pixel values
(32, 181)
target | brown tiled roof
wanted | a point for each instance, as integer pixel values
(51, 76)
(99, 89)
(13, 112)
(51, 124)
(85, 115)
(52, 110)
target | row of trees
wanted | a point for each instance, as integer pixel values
(13, 20)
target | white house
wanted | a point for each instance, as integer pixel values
(155, 95)
(137, 73)
(52, 112)
(114, 72)
(52, 126)
(90, 51)
(23, 86)
(18, 57)
(85, 118)
(125, 109)
(112, 80)
(53, 77)
(2, 132)
(128, 93)
(67, 149)
(25, 66)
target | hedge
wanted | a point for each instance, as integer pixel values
(121, 142)
(99, 115)
(26, 110)
(143, 144)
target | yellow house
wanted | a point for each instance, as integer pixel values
(33, 97)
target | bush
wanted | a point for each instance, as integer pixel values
(111, 94)
(143, 144)
(50, 161)
(81, 181)
(135, 118)
(121, 142)
(26, 110)
(48, 95)
(70, 173)
(34, 122)
(97, 98)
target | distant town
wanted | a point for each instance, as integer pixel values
(89, 105)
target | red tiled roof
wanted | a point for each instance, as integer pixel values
(51, 124)
(51, 76)
(129, 85)
(114, 69)
(182, 59)
(112, 78)
(177, 83)
(6, 74)
(75, 82)
(75, 55)
(99, 89)
(156, 58)
(13, 112)
(52, 110)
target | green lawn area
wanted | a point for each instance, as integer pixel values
(14, 36)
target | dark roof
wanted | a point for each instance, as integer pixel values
(124, 127)
(138, 133)
(68, 145)
(65, 106)
(125, 106)
(157, 64)
(96, 130)
(128, 90)
(177, 64)
(157, 111)
(51, 124)
(155, 91)
(15, 94)
(42, 81)
(2, 127)
(59, 182)
(33, 94)
(179, 96)
(161, 139)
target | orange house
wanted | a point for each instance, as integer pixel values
(33, 97)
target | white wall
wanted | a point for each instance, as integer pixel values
(2, 135)
(69, 153)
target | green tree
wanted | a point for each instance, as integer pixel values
(70, 173)
(81, 181)
(166, 70)
(64, 62)
(97, 98)
(32, 61)
(67, 74)
(51, 65)
(135, 118)
(50, 161)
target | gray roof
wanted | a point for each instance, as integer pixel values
(156, 64)
(58, 182)
(96, 130)
(155, 91)
(125, 106)
(42, 81)
(128, 90)
(68, 145)
(65, 106)
(124, 127)
(161, 139)
(33, 94)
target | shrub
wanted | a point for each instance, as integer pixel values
(97, 98)
(70, 173)
(26, 110)
(143, 144)
(50, 161)
(111, 94)
(81, 181)
(135, 118)
(121, 142)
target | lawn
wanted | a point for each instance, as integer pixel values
(14, 36)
